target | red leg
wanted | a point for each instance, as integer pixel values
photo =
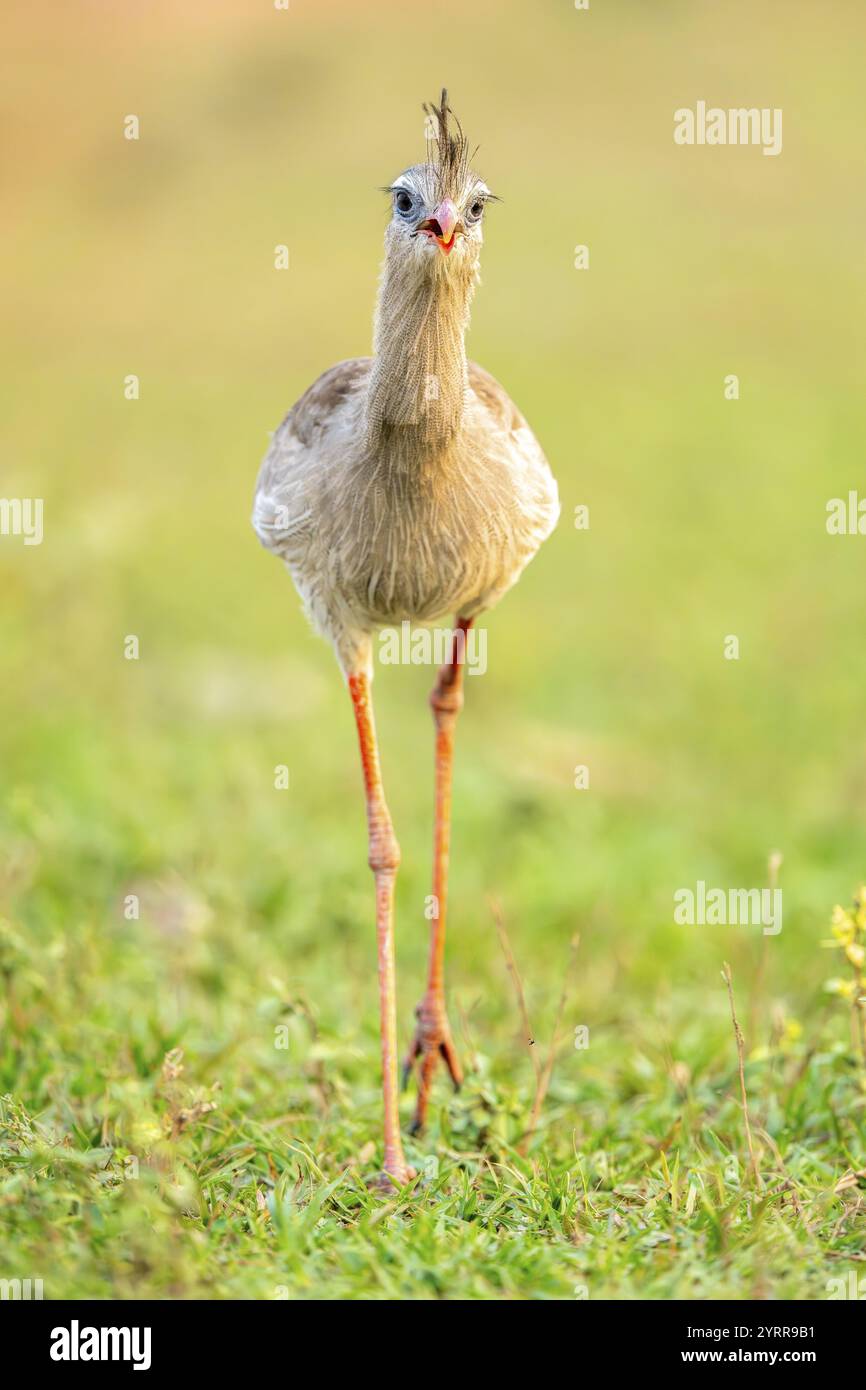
(433, 1034)
(384, 861)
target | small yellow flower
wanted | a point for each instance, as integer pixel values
(843, 926)
(856, 954)
(844, 988)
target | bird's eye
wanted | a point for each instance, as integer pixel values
(474, 212)
(403, 201)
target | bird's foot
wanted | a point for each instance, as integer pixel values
(392, 1177)
(431, 1042)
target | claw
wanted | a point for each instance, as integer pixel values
(409, 1062)
(431, 1042)
(452, 1062)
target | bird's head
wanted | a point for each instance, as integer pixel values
(437, 208)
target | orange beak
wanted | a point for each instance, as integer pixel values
(442, 227)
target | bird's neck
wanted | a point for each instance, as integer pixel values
(418, 385)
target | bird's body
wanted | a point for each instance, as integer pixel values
(379, 532)
(406, 486)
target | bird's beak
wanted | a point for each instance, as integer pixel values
(443, 226)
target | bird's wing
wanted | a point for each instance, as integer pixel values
(298, 449)
(495, 399)
(320, 403)
(508, 422)
(515, 456)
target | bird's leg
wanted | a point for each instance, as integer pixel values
(433, 1034)
(384, 860)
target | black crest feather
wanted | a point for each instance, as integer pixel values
(450, 163)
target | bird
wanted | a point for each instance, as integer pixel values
(400, 488)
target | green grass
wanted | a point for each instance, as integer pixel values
(156, 777)
(240, 1171)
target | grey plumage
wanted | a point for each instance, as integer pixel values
(408, 485)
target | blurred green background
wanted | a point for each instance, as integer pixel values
(707, 518)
